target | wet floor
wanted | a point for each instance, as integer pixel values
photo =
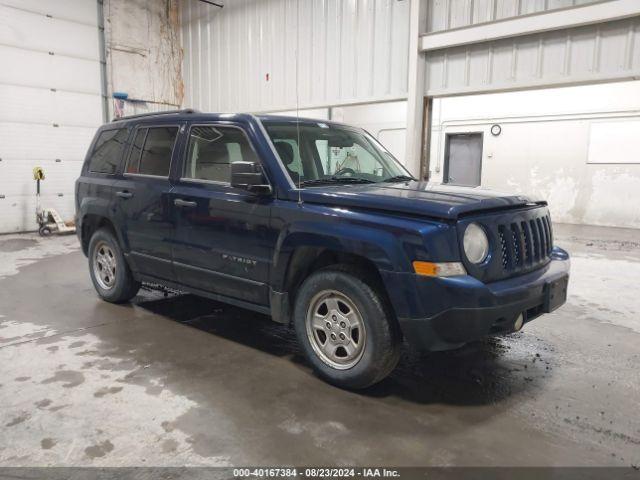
(182, 380)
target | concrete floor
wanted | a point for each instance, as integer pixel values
(181, 380)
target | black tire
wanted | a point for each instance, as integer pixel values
(44, 231)
(124, 287)
(381, 349)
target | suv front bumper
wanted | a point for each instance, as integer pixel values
(447, 312)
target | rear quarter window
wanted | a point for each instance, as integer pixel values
(107, 151)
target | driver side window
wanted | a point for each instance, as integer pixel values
(211, 151)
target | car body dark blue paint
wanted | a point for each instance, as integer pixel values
(254, 250)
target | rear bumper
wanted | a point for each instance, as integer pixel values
(445, 313)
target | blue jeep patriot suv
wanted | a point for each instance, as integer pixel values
(316, 224)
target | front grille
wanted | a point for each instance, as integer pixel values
(532, 237)
(521, 241)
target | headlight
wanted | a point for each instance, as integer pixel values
(475, 243)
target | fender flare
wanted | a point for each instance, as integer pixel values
(98, 208)
(379, 247)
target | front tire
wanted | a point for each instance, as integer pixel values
(109, 270)
(345, 328)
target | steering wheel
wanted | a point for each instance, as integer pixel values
(344, 170)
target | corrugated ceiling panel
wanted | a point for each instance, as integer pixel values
(242, 57)
(587, 54)
(448, 14)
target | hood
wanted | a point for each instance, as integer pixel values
(417, 198)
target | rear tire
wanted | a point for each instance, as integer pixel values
(345, 328)
(109, 270)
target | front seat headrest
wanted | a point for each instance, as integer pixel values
(285, 150)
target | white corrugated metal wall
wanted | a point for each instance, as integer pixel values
(448, 14)
(585, 54)
(50, 97)
(242, 57)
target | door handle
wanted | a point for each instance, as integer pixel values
(124, 194)
(178, 202)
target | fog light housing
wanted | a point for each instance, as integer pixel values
(475, 243)
(517, 325)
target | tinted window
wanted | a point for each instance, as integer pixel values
(136, 148)
(106, 153)
(212, 149)
(151, 151)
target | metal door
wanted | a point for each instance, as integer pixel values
(463, 159)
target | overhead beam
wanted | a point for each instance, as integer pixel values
(570, 17)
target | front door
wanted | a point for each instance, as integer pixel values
(142, 200)
(223, 242)
(463, 159)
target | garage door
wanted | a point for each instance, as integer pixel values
(50, 102)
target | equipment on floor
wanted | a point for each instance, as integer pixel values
(49, 220)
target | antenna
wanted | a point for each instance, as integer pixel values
(298, 99)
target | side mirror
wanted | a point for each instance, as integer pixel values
(249, 176)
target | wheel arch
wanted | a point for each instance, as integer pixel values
(300, 255)
(90, 224)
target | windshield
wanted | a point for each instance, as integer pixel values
(322, 153)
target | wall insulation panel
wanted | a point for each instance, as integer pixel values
(51, 103)
(590, 54)
(243, 57)
(447, 14)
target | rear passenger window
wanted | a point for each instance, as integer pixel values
(106, 153)
(136, 148)
(151, 151)
(213, 149)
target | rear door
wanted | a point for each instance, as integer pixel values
(141, 197)
(94, 187)
(224, 241)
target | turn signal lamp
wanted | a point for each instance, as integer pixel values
(445, 269)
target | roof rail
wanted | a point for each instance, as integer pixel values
(153, 114)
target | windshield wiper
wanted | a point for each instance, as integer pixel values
(334, 180)
(399, 178)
